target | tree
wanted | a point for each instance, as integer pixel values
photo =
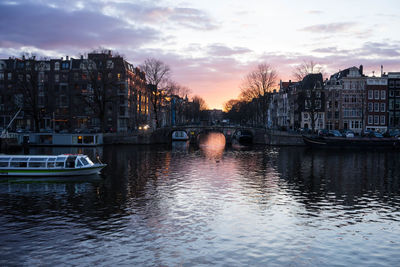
(202, 104)
(31, 88)
(258, 84)
(174, 88)
(157, 74)
(97, 70)
(229, 105)
(306, 68)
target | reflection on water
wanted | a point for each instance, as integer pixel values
(212, 145)
(160, 205)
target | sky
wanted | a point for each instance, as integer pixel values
(210, 46)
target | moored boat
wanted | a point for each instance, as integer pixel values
(243, 137)
(180, 136)
(354, 142)
(45, 165)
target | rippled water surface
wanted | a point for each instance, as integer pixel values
(209, 205)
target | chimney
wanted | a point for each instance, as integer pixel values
(109, 52)
(81, 56)
(62, 58)
(66, 58)
(23, 57)
(381, 70)
(361, 69)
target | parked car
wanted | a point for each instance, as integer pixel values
(375, 134)
(335, 133)
(323, 132)
(348, 133)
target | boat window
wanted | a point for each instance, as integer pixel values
(4, 158)
(37, 159)
(37, 164)
(70, 162)
(20, 159)
(51, 164)
(3, 164)
(84, 161)
(61, 158)
(78, 163)
(60, 164)
(52, 159)
(19, 164)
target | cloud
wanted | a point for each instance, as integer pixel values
(222, 50)
(330, 27)
(46, 27)
(315, 12)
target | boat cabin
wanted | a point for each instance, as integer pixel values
(44, 161)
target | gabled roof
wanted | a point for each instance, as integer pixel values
(312, 80)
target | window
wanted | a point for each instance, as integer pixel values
(370, 94)
(305, 115)
(57, 66)
(9, 76)
(383, 107)
(318, 94)
(391, 93)
(336, 114)
(370, 107)
(376, 120)
(376, 92)
(383, 94)
(1, 76)
(65, 65)
(376, 107)
(318, 104)
(57, 78)
(383, 120)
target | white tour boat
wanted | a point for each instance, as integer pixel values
(45, 165)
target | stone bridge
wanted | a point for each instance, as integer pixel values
(193, 131)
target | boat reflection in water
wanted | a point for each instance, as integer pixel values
(212, 145)
(180, 146)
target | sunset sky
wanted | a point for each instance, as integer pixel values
(210, 45)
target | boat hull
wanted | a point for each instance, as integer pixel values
(356, 142)
(46, 172)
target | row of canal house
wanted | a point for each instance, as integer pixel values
(100, 92)
(347, 100)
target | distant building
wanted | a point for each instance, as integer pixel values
(394, 99)
(376, 104)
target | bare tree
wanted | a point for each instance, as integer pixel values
(306, 68)
(174, 88)
(202, 104)
(157, 74)
(229, 105)
(258, 84)
(30, 90)
(97, 71)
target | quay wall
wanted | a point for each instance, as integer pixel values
(162, 136)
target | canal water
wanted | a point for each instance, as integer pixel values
(208, 205)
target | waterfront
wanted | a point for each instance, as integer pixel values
(209, 205)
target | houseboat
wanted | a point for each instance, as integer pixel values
(242, 137)
(45, 165)
(355, 142)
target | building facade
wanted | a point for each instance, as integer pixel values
(99, 93)
(376, 104)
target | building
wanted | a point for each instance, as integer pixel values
(311, 99)
(99, 93)
(394, 99)
(376, 104)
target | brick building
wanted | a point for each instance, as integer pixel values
(99, 93)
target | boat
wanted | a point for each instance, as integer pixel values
(45, 165)
(180, 136)
(243, 137)
(354, 142)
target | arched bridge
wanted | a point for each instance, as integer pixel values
(193, 131)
